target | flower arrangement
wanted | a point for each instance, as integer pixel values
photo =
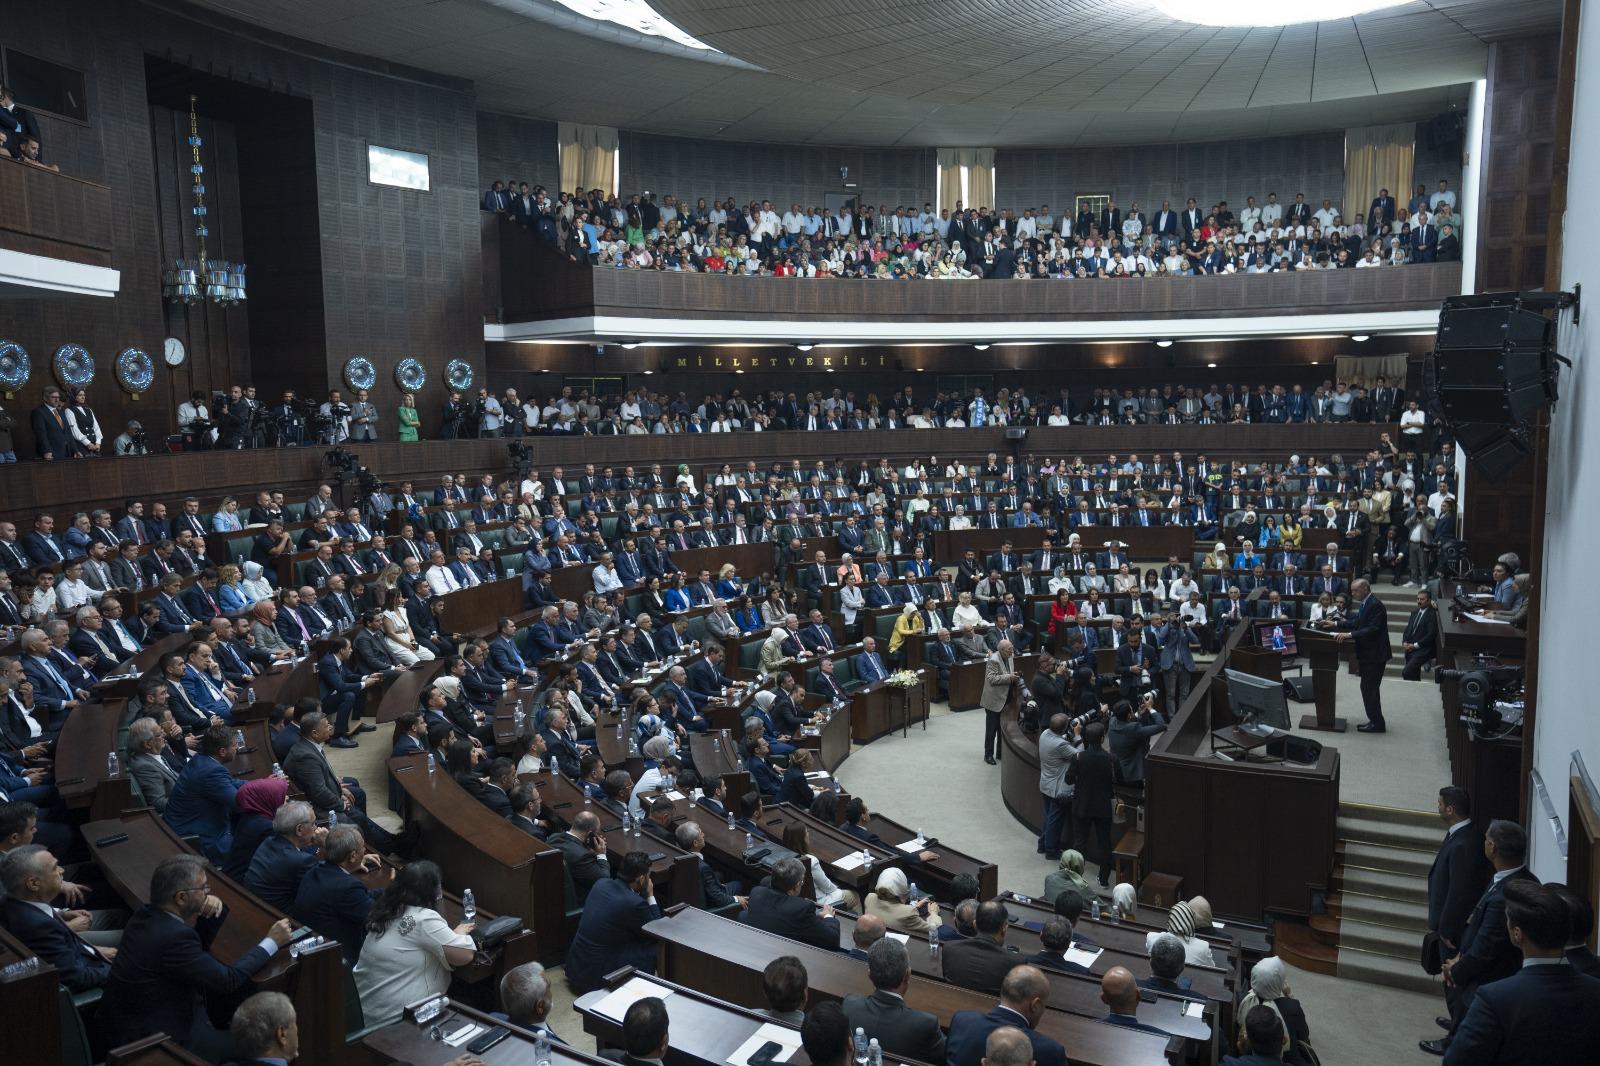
(904, 679)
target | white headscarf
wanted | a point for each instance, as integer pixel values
(1269, 982)
(893, 882)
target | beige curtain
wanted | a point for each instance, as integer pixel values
(588, 156)
(1377, 157)
(1363, 370)
(979, 166)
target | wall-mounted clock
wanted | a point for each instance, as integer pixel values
(173, 352)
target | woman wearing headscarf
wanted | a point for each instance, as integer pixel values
(255, 583)
(1068, 874)
(685, 480)
(1269, 985)
(1124, 902)
(253, 807)
(891, 901)
(908, 625)
(772, 654)
(1182, 921)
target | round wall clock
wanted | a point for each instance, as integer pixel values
(173, 352)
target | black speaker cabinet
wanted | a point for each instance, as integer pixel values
(1493, 327)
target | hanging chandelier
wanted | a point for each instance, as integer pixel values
(192, 281)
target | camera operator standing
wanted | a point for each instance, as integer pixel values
(337, 415)
(232, 418)
(288, 421)
(454, 414)
(490, 414)
(194, 422)
(131, 441)
(1175, 659)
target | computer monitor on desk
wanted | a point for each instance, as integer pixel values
(1257, 703)
(1277, 634)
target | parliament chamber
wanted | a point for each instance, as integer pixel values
(442, 623)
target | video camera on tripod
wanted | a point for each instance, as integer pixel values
(1490, 695)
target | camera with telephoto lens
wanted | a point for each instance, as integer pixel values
(1480, 688)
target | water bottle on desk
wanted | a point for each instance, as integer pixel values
(627, 822)
(238, 738)
(277, 770)
(469, 905)
(431, 762)
(749, 840)
(861, 1047)
(716, 743)
(113, 765)
(731, 825)
(866, 858)
(541, 1048)
(1094, 910)
(874, 1053)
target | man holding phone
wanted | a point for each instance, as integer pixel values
(611, 932)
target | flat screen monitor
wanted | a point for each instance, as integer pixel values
(1257, 703)
(1277, 634)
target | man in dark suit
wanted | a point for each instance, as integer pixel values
(1094, 780)
(50, 432)
(1054, 940)
(1543, 1011)
(1381, 211)
(32, 878)
(1420, 644)
(1486, 952)
(782, 910)
(1120, 993)
(283, 858)
(611, 932)
(341, 686)
(1368, 625)
(1459, 873)
(331, 898)
(981, 962)
(583, 849)
(901, 1031)
(307, 767)
(164, 968)
(1023, 999)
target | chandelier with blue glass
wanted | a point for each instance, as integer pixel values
(192, 281)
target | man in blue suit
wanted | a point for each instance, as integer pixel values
(341, 687)
(1544, 1011)
(211, 696)
(1486, 952)
(32, 878)
(201, 801)
(543, 640)
(164, 969)
(630, 567)
(1120, 993)
(504, 656)
(1024, 996)
(686, 703)
(869, 664)
(850, 536)
(706, 677)
(1368, 627)
(762, 776)
(611, 932)
(1170, 642)
(1459, 873)
(283, 858)
(331, 899)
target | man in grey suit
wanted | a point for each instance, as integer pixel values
(999, 678)
(981, 962)
(1056, 746)
(900, 1031)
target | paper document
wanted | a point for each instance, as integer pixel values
(462, 1035)
(776, 1033)
(852, 861)
(1486, 620)
(617, 1003)
(911, 847)
(815, 774)
(1192, 1009)
(1083, 956)
(904, 938)
(675, 796)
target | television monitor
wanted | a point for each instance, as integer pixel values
(1277, 634)
(1258, 704)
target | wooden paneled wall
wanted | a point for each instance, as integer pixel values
(511, 147)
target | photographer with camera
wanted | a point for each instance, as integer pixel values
(335, 419)
(232, 418)
(454, 416)
(1130, 733)
(194, 422)
(1169, 644)
(1057, 745)
(288, 421)
(490, 414)
(131, 441)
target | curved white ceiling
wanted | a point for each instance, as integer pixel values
(929, 72)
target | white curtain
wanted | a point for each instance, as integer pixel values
(976, 165)
(588, 156)
(1377, 157)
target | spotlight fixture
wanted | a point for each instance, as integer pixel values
(1164, 342)
(1213, 366)
(921, 369)
(647, 373)
(980, 347)
(631, 345)
(1358, 337)
(806, 347)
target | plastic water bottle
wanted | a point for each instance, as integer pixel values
(874, 1053)
(113, 765)
(861, 1047)
(469, 905)
(238, 738)
(432, 763)
(749, 840)
(277, 770)
(921, 840)
(541, 1048)
(300, 947)
(716, 744)
(1094, 911)
(619, 727)
(638, 824)
(627, 822)
(933, 945)
(694, 798)
(866, 858)
(250, 694)
(914, 892)
(731, 825)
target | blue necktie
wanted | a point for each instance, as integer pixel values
(59, 680)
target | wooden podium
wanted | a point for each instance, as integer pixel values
(1323, 652)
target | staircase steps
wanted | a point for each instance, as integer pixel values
(1299, 946)
(1377, 912)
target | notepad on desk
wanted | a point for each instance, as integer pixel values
(849, 861)
(777, 1034)
(1083, 956)
(615, 1005)
(1193, 1009)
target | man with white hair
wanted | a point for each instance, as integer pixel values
(525, 995)
(264, 1029)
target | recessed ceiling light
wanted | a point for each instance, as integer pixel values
(1164, 343)
(805, 347)
(1358, 337)
(631, 345)
(544, 370)
(1266, 12)
(647, 373)
(1313, 362)
(981, 347)
(1213, 366)
(921, 369)
(830, 369)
